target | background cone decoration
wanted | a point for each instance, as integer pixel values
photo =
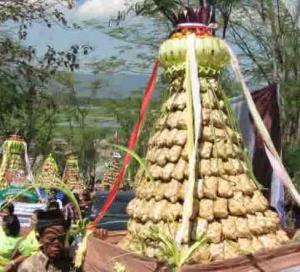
(228, 207)
(109, 176)
(71, 175)
(15, 168)
(49, 172)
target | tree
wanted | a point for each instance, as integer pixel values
(269, 38)
(81, 138)
(120, 109)
(294, 8)
(26, 105)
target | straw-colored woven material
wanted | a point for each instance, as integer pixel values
(227, 204)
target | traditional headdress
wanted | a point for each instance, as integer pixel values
(47, 219)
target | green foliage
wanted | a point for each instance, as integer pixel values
(79, 228)
(175, 256)
(88, 154)
(229, 84)
(268, 42)
(57, 185)
(292, 159)
(126, 112)
(26, 106)
(142, 163)
(27, 109)
(167, 8)
(119, 267)
(111, 64)
(81, 138)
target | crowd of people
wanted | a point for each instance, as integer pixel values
(47, 247)
(43, 249)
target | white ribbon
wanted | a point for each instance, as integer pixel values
(193, 93)
(271, 151)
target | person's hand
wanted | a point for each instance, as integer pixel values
(101, 233)
(9, 267)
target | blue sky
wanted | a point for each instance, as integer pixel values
(103, 45)
(40, 36)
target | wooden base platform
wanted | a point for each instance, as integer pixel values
(103, 255)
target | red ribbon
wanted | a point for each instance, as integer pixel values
(131, 144)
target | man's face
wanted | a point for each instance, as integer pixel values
(53, 241)
(4, 212)
(33, 221)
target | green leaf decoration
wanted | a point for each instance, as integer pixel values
(141, 162)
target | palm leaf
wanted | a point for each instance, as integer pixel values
(58, 185)
(175, 256)
(187, 254)
(141, 162)
(168, 246)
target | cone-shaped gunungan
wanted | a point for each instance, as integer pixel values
(110, 173)
(49, 172)
(71, 175)
(228, 206)
(13, 169)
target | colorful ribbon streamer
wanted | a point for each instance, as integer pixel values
(131, 144)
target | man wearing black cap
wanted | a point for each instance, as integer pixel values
(52, 233)
(6, 208)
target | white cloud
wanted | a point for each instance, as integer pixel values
(64, 3)
(100, 9)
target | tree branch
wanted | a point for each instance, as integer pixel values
(244, 46)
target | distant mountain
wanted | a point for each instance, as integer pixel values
(117, 86)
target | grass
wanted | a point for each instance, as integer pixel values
(175, 256)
